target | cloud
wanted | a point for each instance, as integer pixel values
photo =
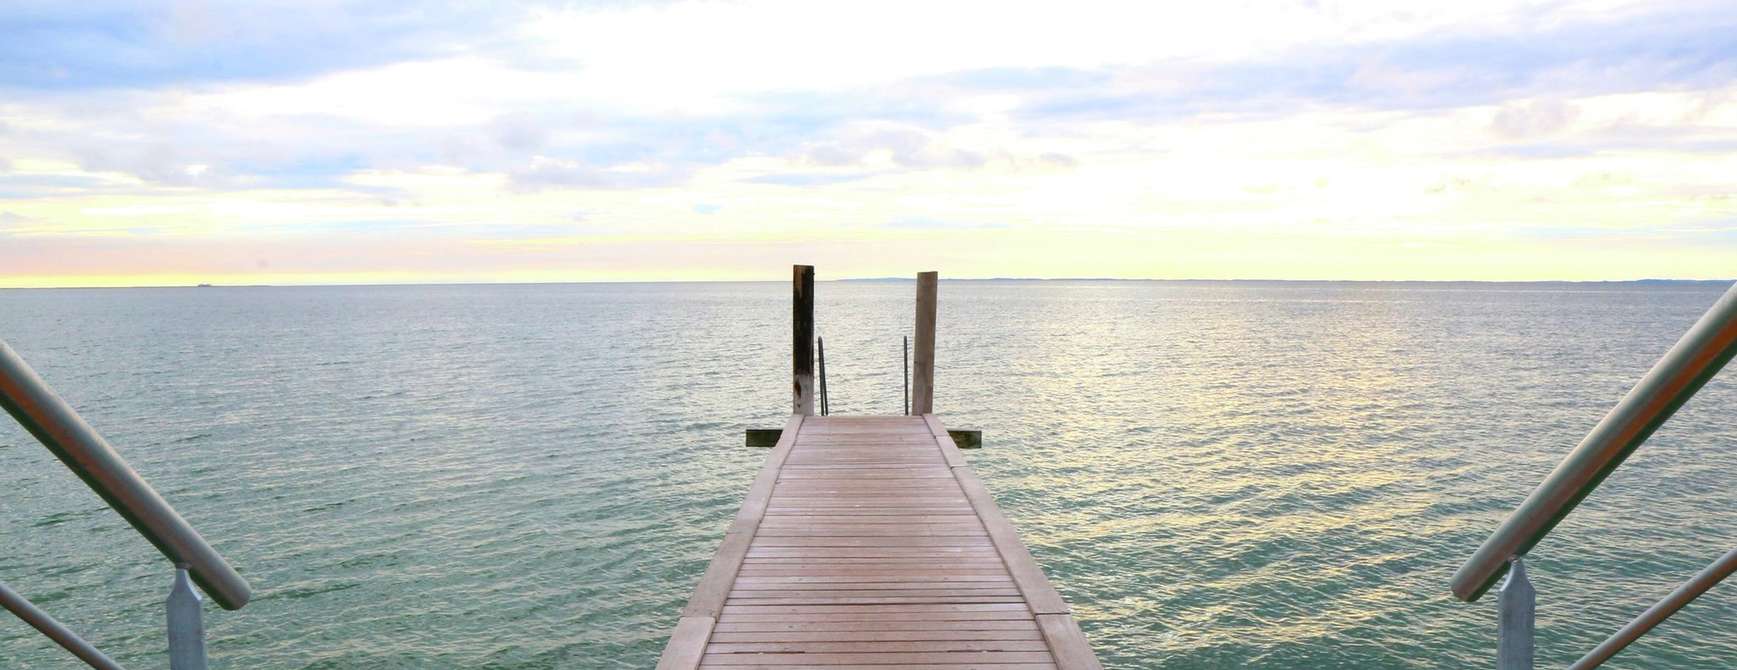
(926, 223)
(117, 44)
(1522, 120)
(1678, 49)
(1055, 159)
(32, 186)
(810, 178)
(544, 172)
(903, 145)
(336, 119)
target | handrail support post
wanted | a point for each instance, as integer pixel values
(1518, 605)
(186, 624)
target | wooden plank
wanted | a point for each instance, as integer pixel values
(877, 600)
(714, 585)
(875, 659)
(1067, 642)
(937, 592)
(755, 609)
(874, 542)
(687, 644)
(941, 564)
(871, 646)
(932, 633)
(755, 503)
(1038, 592)
(863, 580)
(873, 627)
(857, 615)
(901, 666)
(972, 552)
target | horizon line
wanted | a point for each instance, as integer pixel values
(1643, 280)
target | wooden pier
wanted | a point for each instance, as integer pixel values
(868, 542)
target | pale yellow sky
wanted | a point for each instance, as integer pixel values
(1457, 140)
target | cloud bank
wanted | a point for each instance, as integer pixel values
(1308, 140)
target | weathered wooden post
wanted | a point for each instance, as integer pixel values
(802, 340)
(923, 368)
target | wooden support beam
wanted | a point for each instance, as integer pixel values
(802, 340)
(768, 437)
(967, 439)
(923, 364)
(687, 644)
(764, 437)
(1067, 643)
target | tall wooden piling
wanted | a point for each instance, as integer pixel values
(923, 368)
(802, 340)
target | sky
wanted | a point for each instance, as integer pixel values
(327, 141)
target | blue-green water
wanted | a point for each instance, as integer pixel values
(1217, 475)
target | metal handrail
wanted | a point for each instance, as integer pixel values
(1701, 352)
(42, 412)
(55, 630)
(1663, 609)
(820, 350)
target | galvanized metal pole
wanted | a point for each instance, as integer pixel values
(1682, 595)
(923, 385)
(802, 340)
(186, 624)
(1518, 603)
(1683, 370)
(820, 350)
(55, 630)
(42, 412)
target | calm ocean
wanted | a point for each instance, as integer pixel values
(1215, 474)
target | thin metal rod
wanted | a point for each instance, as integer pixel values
(802, 340)
(1699, 355)
(907, 375)
(1518, 605)
(186, 624)
(87, 454)
(820, 350)
(55, 630)
(1663, 609)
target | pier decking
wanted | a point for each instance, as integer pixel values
(869, 542)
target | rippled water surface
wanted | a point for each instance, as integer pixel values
(1216, 475)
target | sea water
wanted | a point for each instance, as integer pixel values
(1215, 474)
